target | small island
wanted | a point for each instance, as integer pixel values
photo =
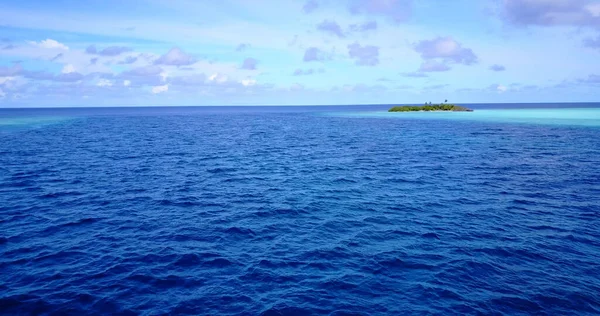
(430, 107)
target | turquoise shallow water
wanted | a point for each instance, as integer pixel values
(299, 211)
(12, 122)
(568, 116)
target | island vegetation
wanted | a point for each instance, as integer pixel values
(430, 107)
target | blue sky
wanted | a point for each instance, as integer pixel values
(287, 52)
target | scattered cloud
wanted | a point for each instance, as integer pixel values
(315, 54)
(4, 80)
(306, 72)
(242, 47)
(497, 68)
(104, 83)
(592, 42)
(364, 55)
(520, 87)
(175, 57)
(248, 82)
(364, 88)
(310, 6)
(552, 12)
(9, 47)
(110, 51)
(446, 49)
(110, 66)
(190, 80)
(91, 49)
(114, 51)
(498, 88)
(436, 86)
(160, 89)
(128, 60)
(218, 78)
(397, 10)
(149, 75)
(415, 74)
(301, 72)
(249, 64)
(57, 57)
(331, 27)
(67, 69)
(63, 77)
(433, 66)
(49, 44)
(11, 71)
(591, 79)
(364, 27)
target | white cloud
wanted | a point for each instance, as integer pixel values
(104, 83)
(2, 94)
(67, 69)
(447, 49)
(164, 76)
(593, 9)
(500, 88)
(126, 83)
(176, 57)
(160, 89)
(248, 82)
(218, 78)
(4, 80)
(49, 44)
(296, 87)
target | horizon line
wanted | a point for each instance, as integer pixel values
(289, 105)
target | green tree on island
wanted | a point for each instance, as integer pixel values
(429, 107)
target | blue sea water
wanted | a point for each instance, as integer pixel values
(300, 211)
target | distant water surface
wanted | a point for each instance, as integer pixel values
(300, 211)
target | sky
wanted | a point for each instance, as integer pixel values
(297, 52)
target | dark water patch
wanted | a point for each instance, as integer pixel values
(398, 263)
(287, 311)
(239, 232)
(220, 170)
(280, 212)
(547, 228)
(430, 236)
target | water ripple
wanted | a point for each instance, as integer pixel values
(298, 214)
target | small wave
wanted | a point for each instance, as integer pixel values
(221, 170)
(280, 212)
(179, 203)
(286, 311)
(240, 231)
(83, 221)
(430, 236)
(404, 264)
(512, 304)
(56, 195)
(547, 227)
(344, 180)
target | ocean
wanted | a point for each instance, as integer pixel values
(336, 210)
